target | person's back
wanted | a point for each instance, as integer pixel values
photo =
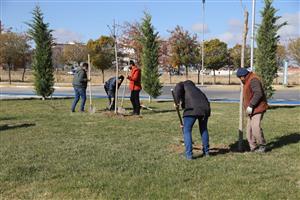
(196, 107)
(110, 84)
(110, 89)
(195, 102)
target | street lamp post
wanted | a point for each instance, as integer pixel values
(202, 65)
(252, 35)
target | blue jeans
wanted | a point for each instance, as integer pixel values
(188, 122)
(79, 92)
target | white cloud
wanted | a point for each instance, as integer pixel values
(235, 25)
(233, 35)
(65, 36)
(291, 30)
(199, 28)
(230, 38)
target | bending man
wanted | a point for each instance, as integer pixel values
(196, 107)
(110, 89)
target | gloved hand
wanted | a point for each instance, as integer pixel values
(249, 110)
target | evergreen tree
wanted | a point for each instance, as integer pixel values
(149, 58)
(267, 39)
(42, 59)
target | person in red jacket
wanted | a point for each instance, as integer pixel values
(255, 104)
(135, 87)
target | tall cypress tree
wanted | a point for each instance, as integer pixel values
(149, 58)
(42, 59)
(267, 39)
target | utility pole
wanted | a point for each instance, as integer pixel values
(285, 73)
(252, 36)
(202, 65)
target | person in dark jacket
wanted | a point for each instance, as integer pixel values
(255, 104)
(196, 106)
(80, 84)
(110, 89)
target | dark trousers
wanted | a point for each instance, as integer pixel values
(135, 100)
(111, 104)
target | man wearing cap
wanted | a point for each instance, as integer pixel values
(80, 84)
(255, 104)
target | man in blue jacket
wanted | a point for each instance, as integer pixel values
(110, 89)
(196, 107)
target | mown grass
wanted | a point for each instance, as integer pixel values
(48, 153)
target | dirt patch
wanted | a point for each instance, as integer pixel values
(121, 116)
(197, 148)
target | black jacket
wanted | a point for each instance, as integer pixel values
(193, 100)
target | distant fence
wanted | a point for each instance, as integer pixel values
(64, 77)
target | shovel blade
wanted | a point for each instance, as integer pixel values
(92, 109)
(121, 110)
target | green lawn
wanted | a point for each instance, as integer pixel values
(48, 153)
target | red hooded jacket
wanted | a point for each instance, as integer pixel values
(135, 79)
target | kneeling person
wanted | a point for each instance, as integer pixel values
(196, 106)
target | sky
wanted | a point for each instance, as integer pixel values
(79, 20)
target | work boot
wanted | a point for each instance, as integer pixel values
(261, 149)
(206, 154)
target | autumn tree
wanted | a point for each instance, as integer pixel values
(14, 51)
(102, 53)
(294, 50)
(216, 55)
(184, 49)
(131, 39)
(164, 57)
(235, 56)
(75, 53)
(281, 55)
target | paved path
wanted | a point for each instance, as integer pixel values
(214, 93)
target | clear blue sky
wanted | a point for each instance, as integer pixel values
(83, 20)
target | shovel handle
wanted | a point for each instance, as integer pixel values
(177, 108)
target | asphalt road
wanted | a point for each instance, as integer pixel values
(213, 93)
